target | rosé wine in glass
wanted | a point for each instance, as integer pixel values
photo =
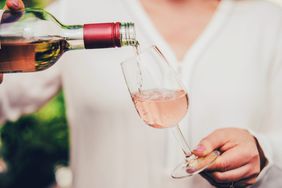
(161, 108)
(162, 102)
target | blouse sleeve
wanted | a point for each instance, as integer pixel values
(270, 136)
(24, 93)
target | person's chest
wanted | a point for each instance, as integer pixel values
(180, 23)
(226, 80)
(227, 84)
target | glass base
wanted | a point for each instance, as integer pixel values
(194, 165)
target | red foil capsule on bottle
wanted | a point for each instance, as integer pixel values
(101, 35)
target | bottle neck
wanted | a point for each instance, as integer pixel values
(100, 35)
(74, 36)
(127, 34)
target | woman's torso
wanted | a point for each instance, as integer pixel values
(225, 74)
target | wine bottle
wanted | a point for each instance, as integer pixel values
(33, 40)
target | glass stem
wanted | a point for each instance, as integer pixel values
(181, 140)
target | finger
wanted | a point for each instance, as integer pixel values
(1, 78)
(213, 141)
(14, 4)
(231, 159)
(14, 14)
(235, 174)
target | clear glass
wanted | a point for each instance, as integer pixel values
(161, 101)
(127, 34)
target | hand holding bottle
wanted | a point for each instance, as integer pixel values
(33, 40)
(12, 5)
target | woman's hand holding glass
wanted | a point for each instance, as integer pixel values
(161, 101)
(241, 158)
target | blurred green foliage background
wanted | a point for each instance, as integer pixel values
(35, 144)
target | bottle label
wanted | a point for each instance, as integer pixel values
(1, 14)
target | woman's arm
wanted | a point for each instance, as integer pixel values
(248, 154)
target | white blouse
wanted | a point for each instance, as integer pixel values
(232, 73)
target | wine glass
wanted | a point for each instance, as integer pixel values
(161, 101)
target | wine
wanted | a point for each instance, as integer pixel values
(33, 39)
(138, 58)
(161, 108)
(23, 56)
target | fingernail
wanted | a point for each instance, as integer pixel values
(200, 148)
(15, 4)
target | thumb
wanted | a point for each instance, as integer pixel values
(14, 5)
(210, 143)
